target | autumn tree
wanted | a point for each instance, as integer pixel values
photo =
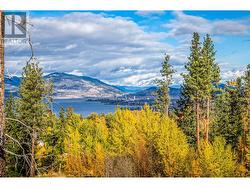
(172, 147)
(74, 158)
(217, 159)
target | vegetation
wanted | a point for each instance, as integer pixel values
(206, 136)
(162, 100)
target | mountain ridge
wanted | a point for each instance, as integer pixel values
(68, 86)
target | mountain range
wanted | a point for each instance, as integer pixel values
(71, 86)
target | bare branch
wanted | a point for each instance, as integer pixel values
(24, 154)
(17, 120)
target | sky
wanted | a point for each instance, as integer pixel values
(127, 47)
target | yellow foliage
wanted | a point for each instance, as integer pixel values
(85, 146)
(99, 161)
(171, 144)
(195, 168)
(216, 159)
(74, 155)
(123, 133)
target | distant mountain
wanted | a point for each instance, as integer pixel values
(72, 86)
(69, 86)
(150, 93)
(147, 92)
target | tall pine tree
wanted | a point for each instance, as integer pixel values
(31, 109)
(162, 100)
(198, 87)
(245, 149)
(194, 81)
(211, 79)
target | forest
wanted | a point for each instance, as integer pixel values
(206, 135)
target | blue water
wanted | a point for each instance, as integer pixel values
(83, 107)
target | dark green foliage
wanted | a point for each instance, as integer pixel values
(246, 88)
(192, 89)
(13, 132)
(162, 100)
(228, 115)
(30, 113)
(31, 107)
(213, 69)
(244, 145)
(197, 90)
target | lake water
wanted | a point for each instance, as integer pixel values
(83, 107)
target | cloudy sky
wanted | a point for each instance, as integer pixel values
(127, 47)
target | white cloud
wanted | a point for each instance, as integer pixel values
(93, 44)
(115, 49)
(184, 24)
(231, 75)
(76, 72)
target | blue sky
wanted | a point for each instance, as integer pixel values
(127, 47)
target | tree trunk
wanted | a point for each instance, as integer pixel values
(2, 154)
(207, 120)
(197, 111)
(32, 165)
(166, 110)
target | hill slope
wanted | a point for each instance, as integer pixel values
(71, 86)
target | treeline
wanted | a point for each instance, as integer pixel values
(207, 135)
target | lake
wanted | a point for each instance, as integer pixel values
(84, 107)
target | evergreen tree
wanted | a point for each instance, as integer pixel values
(228, 115)
(245, 139)
(196, 81)
(162, 100)
(246, 87)
(186, 114)
(31, 109)
(221, 114)
(12, 129)
(10, 107)
(47, 151)
(198, 88)
(211, 79)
